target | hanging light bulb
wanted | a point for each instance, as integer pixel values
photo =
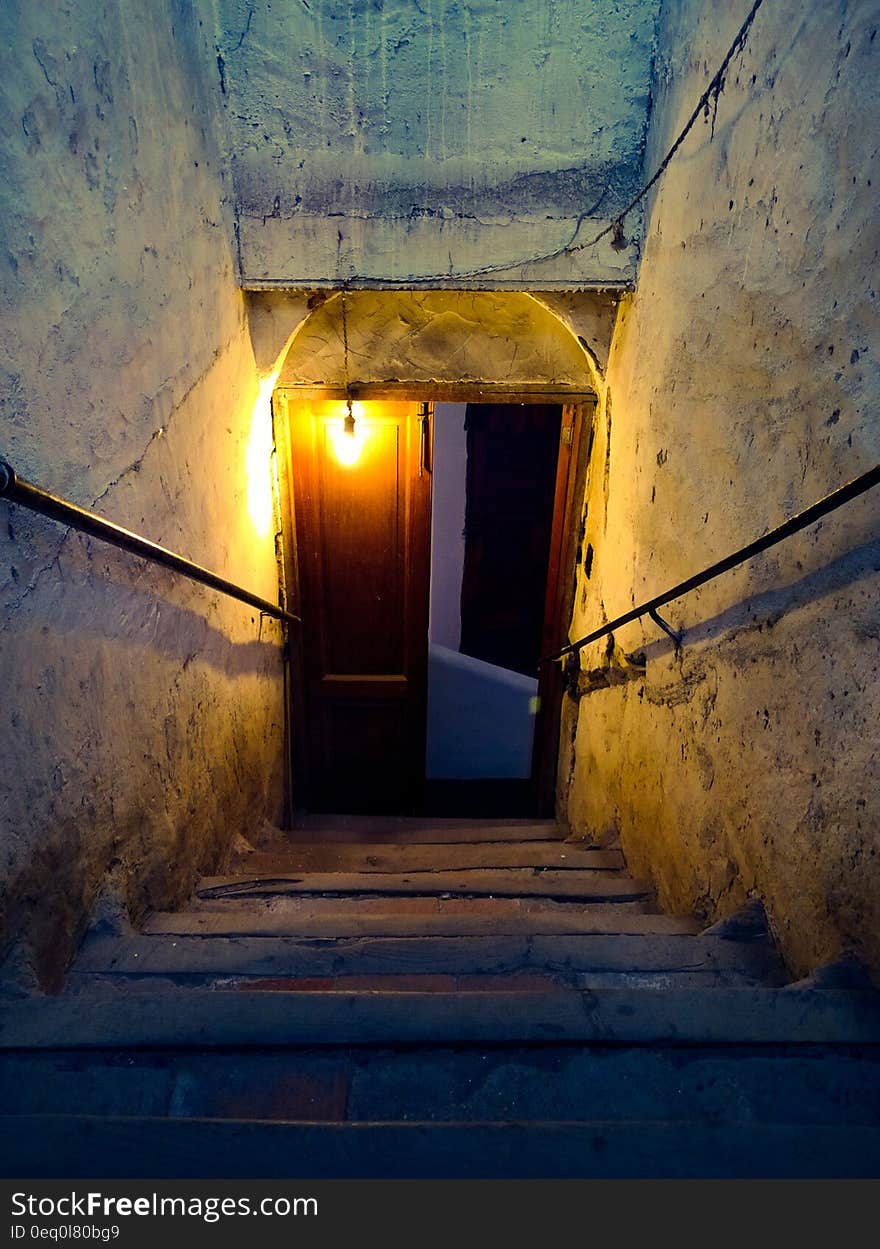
(348, 424)
(347, 436)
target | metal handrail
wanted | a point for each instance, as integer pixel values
(18, 490)
(837, 498)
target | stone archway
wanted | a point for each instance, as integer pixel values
(466, 347)
(453, 338)
(502, 339)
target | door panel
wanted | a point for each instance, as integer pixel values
(362, 537)
(361, 524)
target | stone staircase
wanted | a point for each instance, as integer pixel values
(403, 998)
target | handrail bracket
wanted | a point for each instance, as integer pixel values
(677, 638)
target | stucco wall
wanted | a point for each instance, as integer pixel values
(505, 337)
(447, 336)
(142, 714)
(385, 141)
(742, 385)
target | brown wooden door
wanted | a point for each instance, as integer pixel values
(362, 552)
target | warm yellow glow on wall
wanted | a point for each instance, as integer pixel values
(258, 460)
(348, 443)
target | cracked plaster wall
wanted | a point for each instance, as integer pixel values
(143, 714)
(389, 138)
(743, 384)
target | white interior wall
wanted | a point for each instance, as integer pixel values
(447, 523)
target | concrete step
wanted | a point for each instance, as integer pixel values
(454, 955)
(768, 1084)
(580, 884)
(387, 857)
(514, 983)
(409, 916)
(242, 1017)
(408, 830)
(83, 1146)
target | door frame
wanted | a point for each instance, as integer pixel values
(564, 559)
(578, 407)
(296, 746)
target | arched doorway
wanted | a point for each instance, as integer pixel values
(364, 382)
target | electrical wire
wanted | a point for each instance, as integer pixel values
(349, 419)
(615, 226)
(712, 92)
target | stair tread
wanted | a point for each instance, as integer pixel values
(388, 857)
(147, 954)
(400, 829)
(562, 1082)
(212, 1018)
(529, 981)
(513, 983)
(509, 882)
(83, 1146)
(410, 916)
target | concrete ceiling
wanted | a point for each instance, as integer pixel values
(398, 139)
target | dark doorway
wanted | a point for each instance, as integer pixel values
(512, 451)
(494, 482)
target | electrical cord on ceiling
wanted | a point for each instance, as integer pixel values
(349, 406)
(711, 94)
(709, 99)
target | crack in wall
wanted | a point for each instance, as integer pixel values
(37, 49)
(54, 562)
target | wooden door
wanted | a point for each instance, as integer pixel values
(361, 508)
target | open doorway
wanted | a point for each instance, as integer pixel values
(494, 473)
(405, 699)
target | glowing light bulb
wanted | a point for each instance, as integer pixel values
(347, 435)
